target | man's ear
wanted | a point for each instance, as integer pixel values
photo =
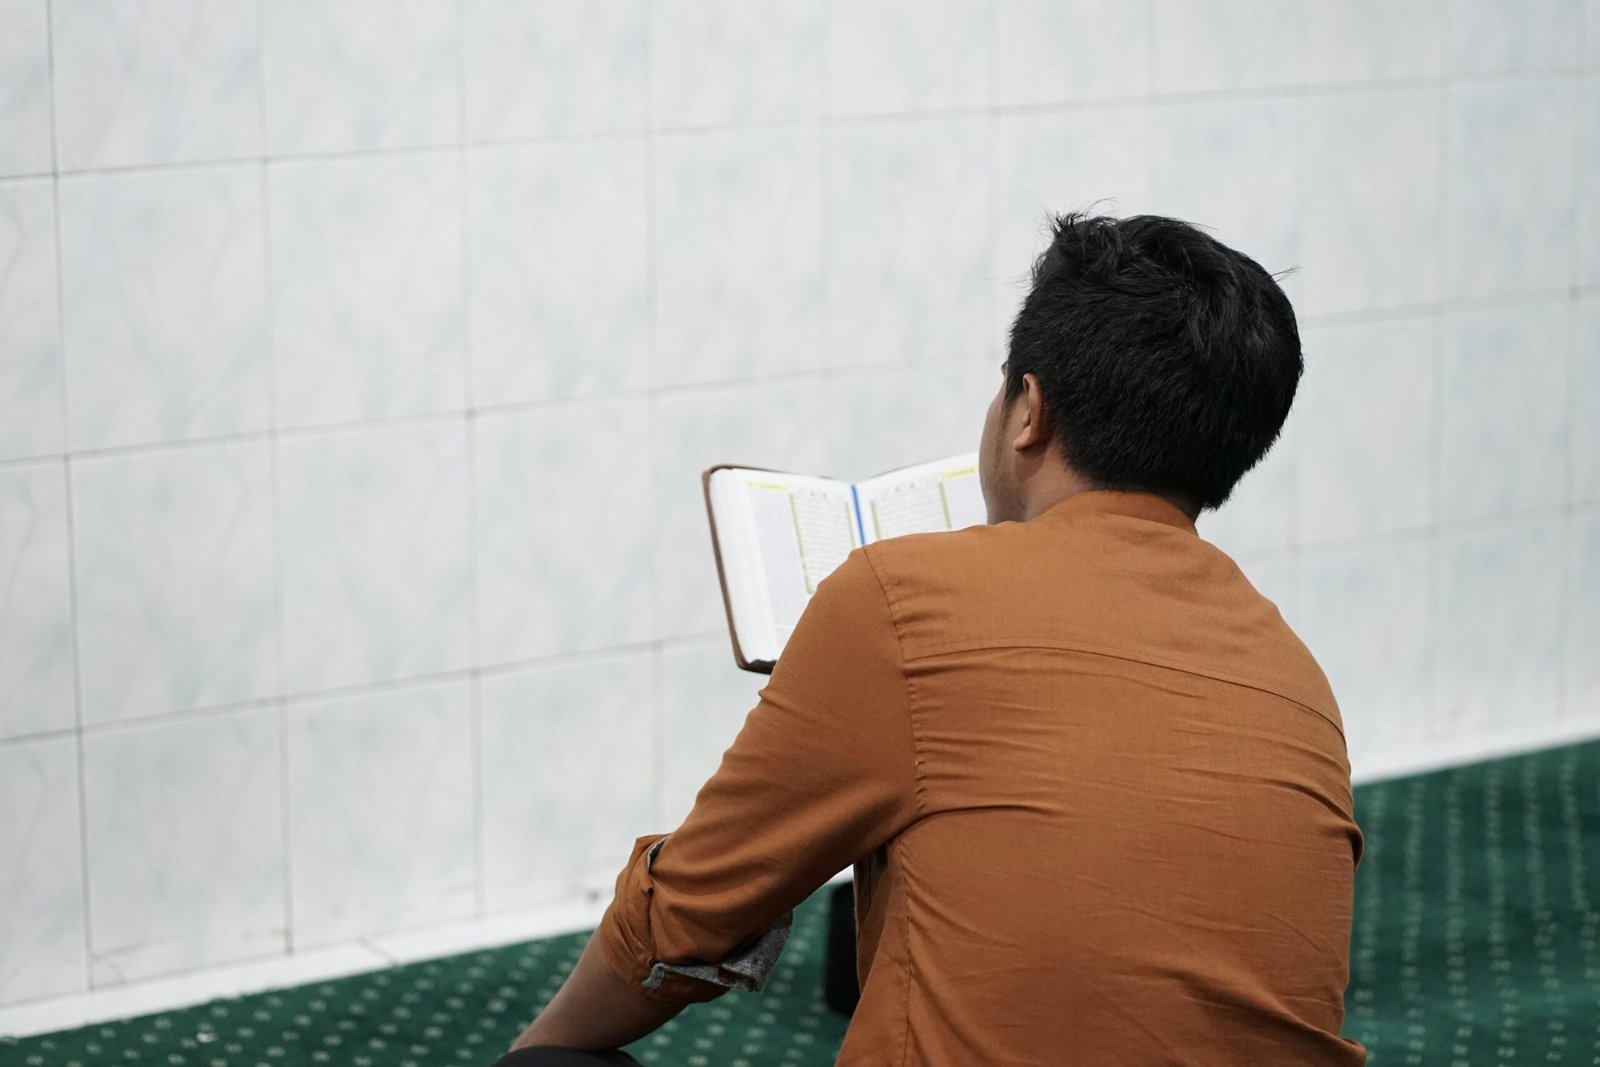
(1035, 428)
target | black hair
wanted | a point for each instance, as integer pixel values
(1167, 360)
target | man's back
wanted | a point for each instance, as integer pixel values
(1094, 789)
(1133, 839)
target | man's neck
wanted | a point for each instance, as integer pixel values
(1045, 492)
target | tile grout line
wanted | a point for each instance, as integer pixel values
(825, 131)
(286, 805)
(1432, 656)
(1149, 99)
(657, 653)
(1569, 529)
(992, 348)
(79, 739)
(470, 433)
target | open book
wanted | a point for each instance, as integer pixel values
(776, 535)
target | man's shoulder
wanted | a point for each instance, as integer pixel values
(943, 554)
(946, 572)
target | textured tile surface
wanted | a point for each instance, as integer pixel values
(191, 874)
(140, 84)
(25, 136)
(41, 872)
(176, 581)
(367, 304)
(547, 733)
(376, 555)
(381, 823)
(30, 324)
(164, 306)
(36, 673)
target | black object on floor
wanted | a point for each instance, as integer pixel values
(562, 1057)
(840, 987)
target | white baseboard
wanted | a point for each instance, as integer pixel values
(299, 968)
(1421, 755)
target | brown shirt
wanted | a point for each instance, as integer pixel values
(1094, 789)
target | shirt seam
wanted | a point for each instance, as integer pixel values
(918, 797)
(1147, 661)
(919, 806)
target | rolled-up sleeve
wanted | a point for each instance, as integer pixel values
(821, 773)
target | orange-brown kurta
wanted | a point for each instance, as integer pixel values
(1094, 788)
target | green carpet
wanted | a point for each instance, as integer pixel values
(1475, 943)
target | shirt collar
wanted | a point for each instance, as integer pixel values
(1137, 505)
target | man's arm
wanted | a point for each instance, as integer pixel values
(595, 1009)
(822, 773)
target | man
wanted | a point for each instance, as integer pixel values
(1094, 788)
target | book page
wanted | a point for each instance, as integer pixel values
(780, 534)
(927, 497)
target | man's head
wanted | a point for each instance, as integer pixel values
(1147, 356)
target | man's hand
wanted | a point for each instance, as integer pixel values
(595, 1009)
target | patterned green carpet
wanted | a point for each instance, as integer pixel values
(1477, 925)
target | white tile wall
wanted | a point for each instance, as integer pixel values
(1367, 612)
(547, 832)
(1371, 244)
(1585, 414)
(164, 306)
(30, 333)
(367, 303)
(354, 399)
(138, 84)
(24, 88)
(373, 530)
(175, 580)
(1370, 40)
(1367, 428)
(1589, 176)
(881, 419)
(335, 85)
(380, 812)
(1217, 163)
(41, 871)
(1487, 36)
(908, 260)
(738, 254)
(36, 673)
(562, 497)
(1510, 185)
(1499, 621)
(1108, 42)
(722, 62)
(1206, 45)
(900, 56)
(1503, 421)
(190, 873)
(557, 67)
(559, 262)
(1583, 634)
